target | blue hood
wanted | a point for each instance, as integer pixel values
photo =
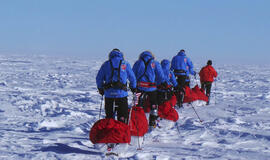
(165, 64)
(114, 54)
(181, 53)
(146, 55)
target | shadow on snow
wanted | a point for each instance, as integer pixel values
(65, 149)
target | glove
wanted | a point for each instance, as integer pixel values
(133, 90)
(101, 91)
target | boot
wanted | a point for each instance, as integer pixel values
(152, 121)
(181, 98)
(208, 95)
(153, 116)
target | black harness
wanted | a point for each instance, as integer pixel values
(145, 69)
(115, 84)
(179, 71)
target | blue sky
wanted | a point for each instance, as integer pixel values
(228, 31)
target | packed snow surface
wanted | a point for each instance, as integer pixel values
(48, 106)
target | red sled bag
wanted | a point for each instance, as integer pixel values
(194, 94)
(189, 95)
(109, 131)
(147, 105)
(166, 111)
(200, 93)
(173, 100)
(138, 123)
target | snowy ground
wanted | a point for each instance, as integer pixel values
(48, 105)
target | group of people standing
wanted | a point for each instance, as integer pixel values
(154, 81)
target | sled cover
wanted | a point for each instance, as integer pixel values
(194, 94)
(138, 123)
(109, 131)
(166, 110)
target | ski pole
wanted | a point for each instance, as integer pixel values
(129, 116)
(196, 113)
(195, 77)
(134, 102)
(131, 109)
(115, 110)
(215, 90)
(100, 107)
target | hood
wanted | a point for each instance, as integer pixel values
(146, 55)
(114, 54)
(165, 64)
(181, 53)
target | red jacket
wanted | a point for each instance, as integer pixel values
(207, 74)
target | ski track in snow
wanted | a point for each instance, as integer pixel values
(48, 106)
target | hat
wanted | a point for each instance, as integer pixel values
(116, 49)
(209, 62)
(116, 53)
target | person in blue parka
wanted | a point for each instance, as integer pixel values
(112, 81)
(165, 94)
(182, 66)
(147, 71)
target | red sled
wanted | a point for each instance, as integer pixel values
(194, 94)
(173, 100)
(147, 106)
(138, 123)
(109, 131)
(166, 110)
(200, 93)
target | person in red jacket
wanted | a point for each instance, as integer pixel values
(207, 75)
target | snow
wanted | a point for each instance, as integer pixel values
(48, 106)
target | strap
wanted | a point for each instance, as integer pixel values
(116, 84)
(120, 63)
(118, 78)
(111, 71)
(147, 84)
(179, 71)
(145, 69)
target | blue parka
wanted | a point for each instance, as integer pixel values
(105, 72)
(153, 71)
(182, 62)
(168, 74)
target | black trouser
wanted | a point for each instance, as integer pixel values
(182, 83)
(181, 80)
(207, 87)
(121, 108)
(152, 96)
(153, 100)
(163, 96)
